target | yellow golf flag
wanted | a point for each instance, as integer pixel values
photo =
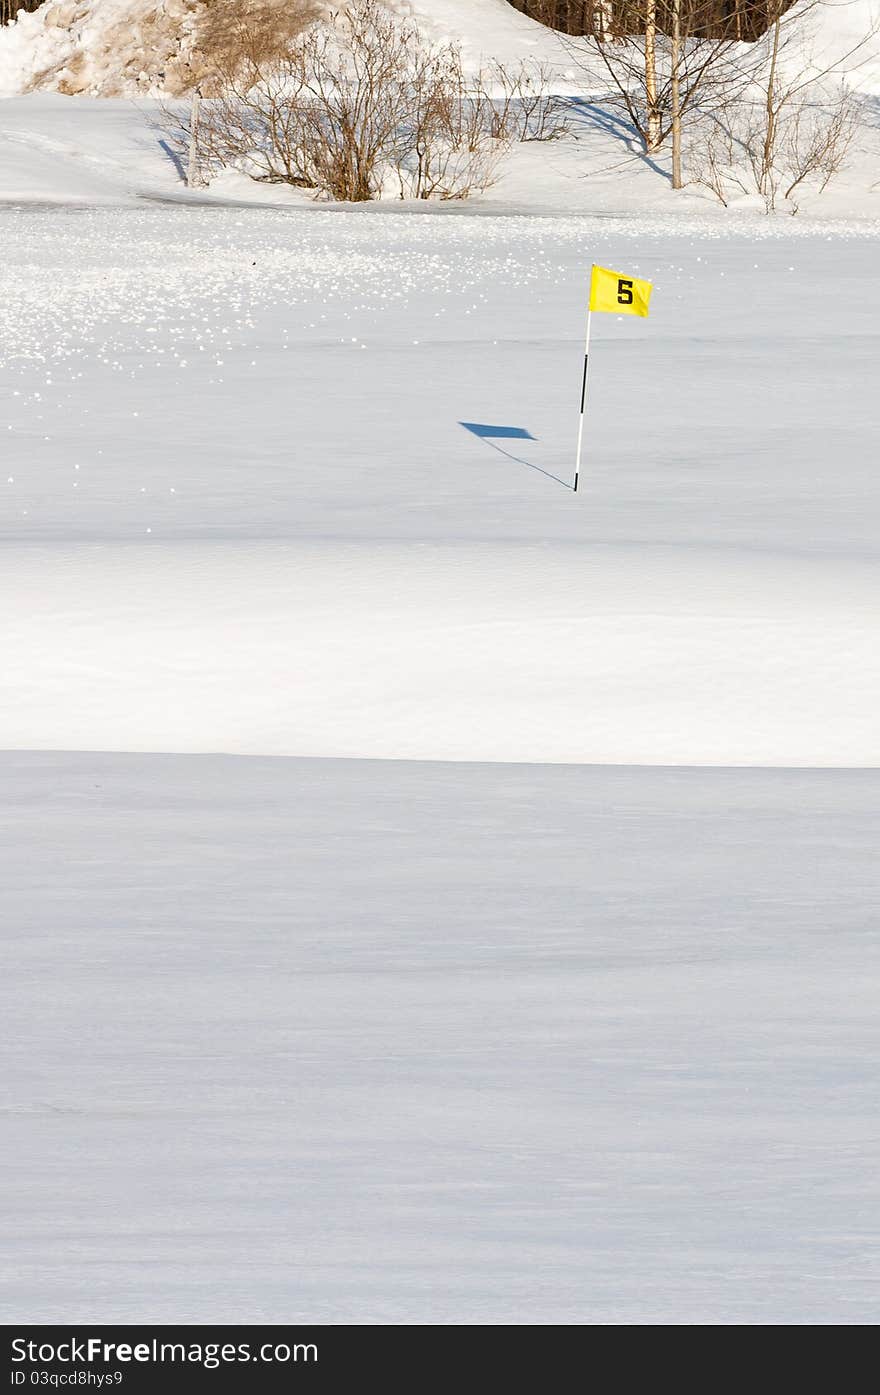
(618, 295)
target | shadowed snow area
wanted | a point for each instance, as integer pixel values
(392, 1042)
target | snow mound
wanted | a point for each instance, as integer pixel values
(843, 39)
(483, 28)
(111, 48)
(128, 47)
(102, 48)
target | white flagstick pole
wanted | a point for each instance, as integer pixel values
(577, 464)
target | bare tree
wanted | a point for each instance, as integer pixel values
(791, 127)
(652, 108)
(675, 92)
(660, 79)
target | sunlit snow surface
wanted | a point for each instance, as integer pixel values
(400, 1042)
(240, 511)
(421, 1039)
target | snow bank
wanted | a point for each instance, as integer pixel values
(839, 40)
(483, 28)
(113, 47)
(100, 47)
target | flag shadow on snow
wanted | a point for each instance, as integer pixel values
(490, 434)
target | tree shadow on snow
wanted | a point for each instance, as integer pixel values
(175, 160)
(603, 119)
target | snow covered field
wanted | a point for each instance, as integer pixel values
(400, 1042)
(500, 1018)
(238, 486)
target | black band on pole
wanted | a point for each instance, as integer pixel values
(583, 402)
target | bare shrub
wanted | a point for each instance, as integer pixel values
(456, 135)
(793, 125)
(804, 146)
(525, 103)
(355, 105)
(817, 141)
(319, 108)
(716, 158)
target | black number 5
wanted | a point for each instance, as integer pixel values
(624, 291)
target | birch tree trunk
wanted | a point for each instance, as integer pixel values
(603, 18)
(651, 110)
(769, 147)
(675, 94)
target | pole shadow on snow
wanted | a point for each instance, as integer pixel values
(175, 160)
(510, 433)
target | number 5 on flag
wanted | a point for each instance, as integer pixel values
(613, 294)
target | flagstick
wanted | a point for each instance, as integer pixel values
(577, 464)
